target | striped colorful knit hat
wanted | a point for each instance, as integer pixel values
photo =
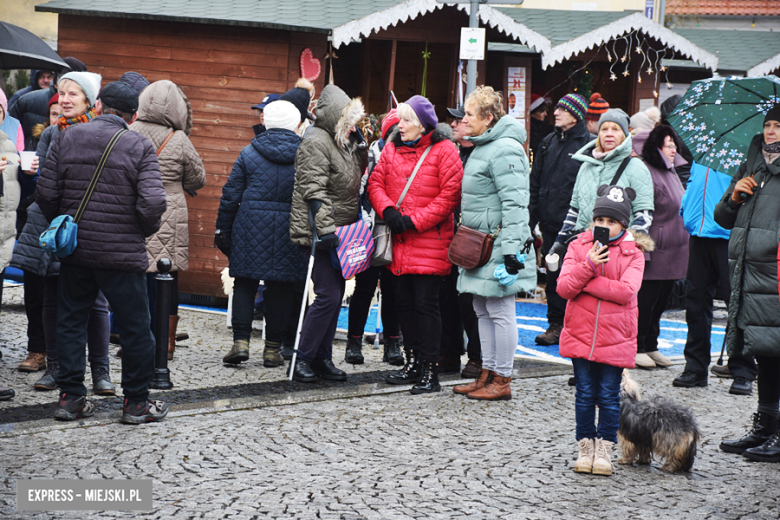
(574, 104)
(596, 107)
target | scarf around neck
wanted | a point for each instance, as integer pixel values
(64, 122)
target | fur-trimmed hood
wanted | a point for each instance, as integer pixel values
(337, 113)
(648, 143)
(443, 132)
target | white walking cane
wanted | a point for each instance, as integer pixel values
(378, 319)
(315, 205)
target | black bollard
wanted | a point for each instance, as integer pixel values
(162, 376)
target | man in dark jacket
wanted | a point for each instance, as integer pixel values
(125, 208)
(552, 180)
(33, 108)
(39, 79)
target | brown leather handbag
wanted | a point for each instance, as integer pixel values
(470, 248)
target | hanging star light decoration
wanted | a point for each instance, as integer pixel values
(612, 76)
(625, 72)
(638, 45)
(649, 70)
(655, 93)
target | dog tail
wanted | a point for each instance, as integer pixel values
(630, 387)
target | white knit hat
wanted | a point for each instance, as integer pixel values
(281, 114)
(89, 83)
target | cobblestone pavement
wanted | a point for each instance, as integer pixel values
(392, 456)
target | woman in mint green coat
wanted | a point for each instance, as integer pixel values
(496, 193)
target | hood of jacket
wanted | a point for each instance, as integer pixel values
(443, 132)
(657, 160)
(277, 145)
(506, 127)
(164, 103)
(337, 113)
(585, 154)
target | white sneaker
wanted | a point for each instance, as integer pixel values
(660, 359)
(644, 361)
(584, 462)
(602, 463)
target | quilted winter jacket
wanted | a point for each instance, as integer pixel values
(669, 259)
(553, 175)
(9, 201)
(255, 209)
(128, 201)
(28, 255)
(495, 191)
(755, 228)
(593, 173)
(163, 108)
(328, 167)
(602, 315)
(430, 202)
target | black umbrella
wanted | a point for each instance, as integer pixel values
(21, 49)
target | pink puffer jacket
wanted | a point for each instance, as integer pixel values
(601, 315)
(432, 198)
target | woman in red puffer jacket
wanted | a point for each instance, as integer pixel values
(422, 227)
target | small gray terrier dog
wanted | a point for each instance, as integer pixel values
(656, 426)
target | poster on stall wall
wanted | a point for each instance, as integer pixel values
(516, 92)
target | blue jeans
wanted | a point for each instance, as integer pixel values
(597, 384)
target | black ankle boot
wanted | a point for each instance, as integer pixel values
(392, 353)
(302, 372)
(767, 452)
(764, 427)
(410, 373)
(429, 381)
(354, 353)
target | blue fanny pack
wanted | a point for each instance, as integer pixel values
(60, 238)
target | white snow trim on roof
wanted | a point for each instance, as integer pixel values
(411, 9)
(765, 67)
(625, 25)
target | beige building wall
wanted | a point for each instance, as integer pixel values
(23, 14)
(588, 5)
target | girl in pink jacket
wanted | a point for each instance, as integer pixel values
(601, 282)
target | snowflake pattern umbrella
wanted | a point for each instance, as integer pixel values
(718, 117)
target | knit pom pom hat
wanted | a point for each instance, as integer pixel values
(596, 107)
(300, 96)
(390, 119)
(573, 104)
(282, 114)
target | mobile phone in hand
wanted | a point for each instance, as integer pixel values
(601, 235)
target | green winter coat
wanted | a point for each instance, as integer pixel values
(754, 307)
(593, 173)
(496, 191)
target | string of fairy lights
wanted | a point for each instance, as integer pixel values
(655, 64)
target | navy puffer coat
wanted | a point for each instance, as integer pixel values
(255, 209)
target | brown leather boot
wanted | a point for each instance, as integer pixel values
(35, 361)
(173, 321)
(472, 370)
(551, 336)
(497, 389)
(475, 385)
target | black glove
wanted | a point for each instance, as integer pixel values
(512, 264)
(329, 241)
(394, 219)
(222, 242)
(558, 248)
(408, 223)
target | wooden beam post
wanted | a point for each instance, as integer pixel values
(391, 81)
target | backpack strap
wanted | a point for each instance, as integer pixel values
(168, 138)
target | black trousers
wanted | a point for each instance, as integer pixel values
(33, 308)
(418, 312)
(652, 300)
(708, 276)
(282, 307)
(556, 306)
(322, 317)
(126, 293)
(360, 304)
(768, 382)
(458, 314)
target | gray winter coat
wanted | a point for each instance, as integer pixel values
(328, 167)
(754, 306)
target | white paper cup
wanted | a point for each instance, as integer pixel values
(27, 160)
(552, 262)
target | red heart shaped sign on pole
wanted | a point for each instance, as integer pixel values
(310, 66)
